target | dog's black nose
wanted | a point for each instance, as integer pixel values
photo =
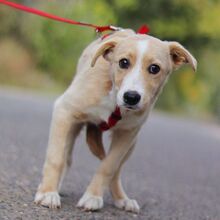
(131, 97)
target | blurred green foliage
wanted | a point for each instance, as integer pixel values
(55, 48)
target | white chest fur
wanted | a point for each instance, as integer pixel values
(103, 110)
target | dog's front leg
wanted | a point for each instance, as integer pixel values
(62, 135)
(121, 200)
(122, 142)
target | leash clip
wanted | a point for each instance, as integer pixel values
(115, 28)
(100, 29)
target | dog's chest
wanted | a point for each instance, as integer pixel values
(130, 120)
(103, 109)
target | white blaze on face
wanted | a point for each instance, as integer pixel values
(134, 81)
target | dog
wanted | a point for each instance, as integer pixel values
(117, 81)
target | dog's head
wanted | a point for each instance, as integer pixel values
(140, 65)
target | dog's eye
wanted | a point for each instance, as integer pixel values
(154, 69)
(124, 63)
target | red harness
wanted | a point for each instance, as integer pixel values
(112, 120)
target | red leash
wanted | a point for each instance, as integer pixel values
(143, 30)
(57, 18)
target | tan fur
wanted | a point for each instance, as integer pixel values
(92, 97)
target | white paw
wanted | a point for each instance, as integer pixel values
(130, 205)
(49, 199)
(89, 202)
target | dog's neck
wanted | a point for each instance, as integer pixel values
(112, 120)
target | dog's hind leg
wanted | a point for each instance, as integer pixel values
(63, 132)
(94, 140)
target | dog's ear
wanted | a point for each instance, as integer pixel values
(105, 50)
(180, 55)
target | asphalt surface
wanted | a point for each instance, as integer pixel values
(174, 172)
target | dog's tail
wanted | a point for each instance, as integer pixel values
(94, 140)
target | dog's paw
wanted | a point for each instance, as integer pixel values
(49, 199)
(129, 205)
(89, 202)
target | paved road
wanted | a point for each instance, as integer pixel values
(174, 172)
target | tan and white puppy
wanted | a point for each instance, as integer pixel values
(127, 70)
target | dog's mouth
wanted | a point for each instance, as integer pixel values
(131, 107)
